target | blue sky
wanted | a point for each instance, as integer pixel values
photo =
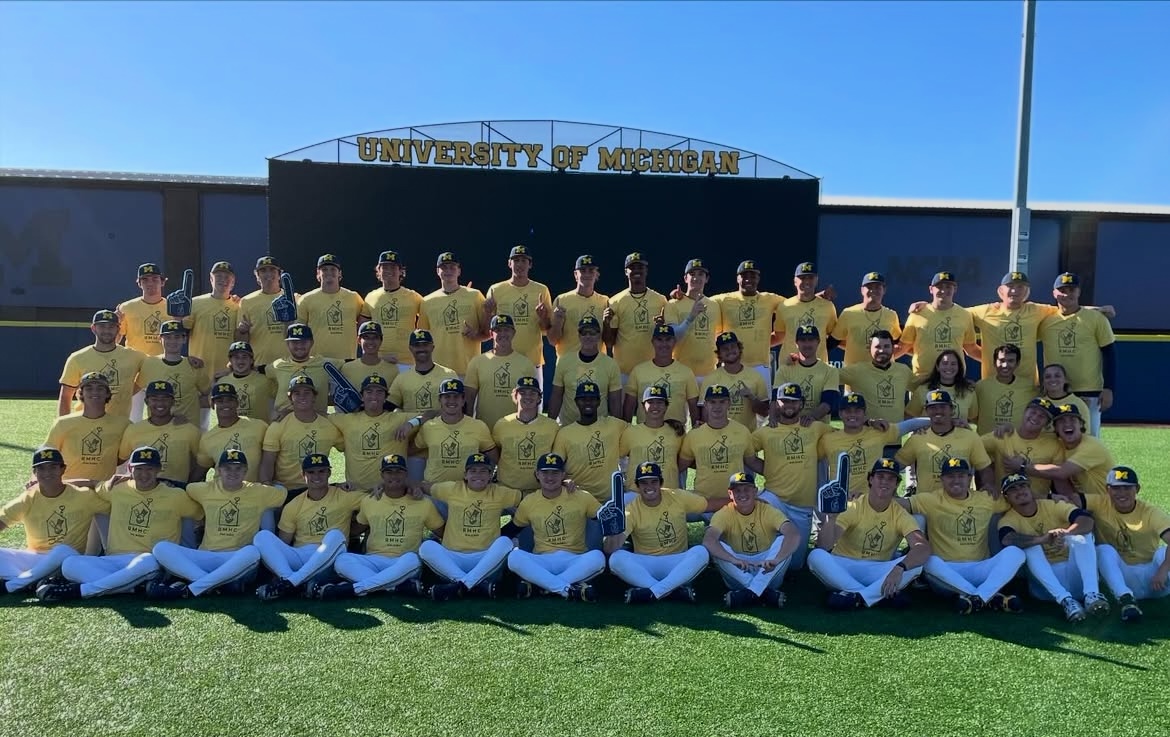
(914, 99)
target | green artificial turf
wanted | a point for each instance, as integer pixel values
(393, 666)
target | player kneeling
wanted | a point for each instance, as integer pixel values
(56, 517)
(397, 522)
(958, 524)
(661, 565)
(233, 509)
(313, 531)
(1057, 540)
(861, 569)
(143, 512)
(473, 552)
(751, 544)
(560, 563)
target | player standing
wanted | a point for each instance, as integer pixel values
(529, 304)
(332, 312)
(570, 308)
(857, 323)
(634, 310)
(89, 439)
(396, 308)
(258, 324)
(805, 308)
(749, 313)
(492, 375)
(590, 446)
(587, 364)
(455, 316)
(117, 363)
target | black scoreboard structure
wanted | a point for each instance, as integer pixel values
(562, 189)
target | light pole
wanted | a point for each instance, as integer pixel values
(1021, 216)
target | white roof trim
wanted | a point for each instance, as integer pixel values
(858, 201)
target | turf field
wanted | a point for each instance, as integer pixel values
(387, 666)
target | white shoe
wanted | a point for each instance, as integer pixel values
(1097, 605)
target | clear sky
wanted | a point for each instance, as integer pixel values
(909, 99)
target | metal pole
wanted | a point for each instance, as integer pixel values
(1021, 216)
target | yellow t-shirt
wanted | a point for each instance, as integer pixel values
(790, 460)
(255, 394)
(62, 520)
(309, 519)
(679, 382)
(716, 454)
(863, 448)
(448, 446)
(334, 319)
(869, 534)
(1074, 341)
(696, 348)
(232, 517)
(926, 451)
(212, 323)
(416, 392)
(1003, 404)
(856, 325)
(958, 528)
(749, 534)
(357, 371)
(814, 380)
(177, 446)
(282, 372)
(366, 440)
(520, 304)
(885, 390)
(140, 323)
(89, 446)
(750, 318)
(966, 405)
(446, 315)
(1049, 515)
(576, 307)
(473, 517)
(633, 318)
(999, 326)
(662, 529)
(520, 444)
(188, 381)
(1136, 534)
(266, 335)
(397, 313)
(1043, 449)
(494, 377)
(1096, 460)
(591, 453)
(119, 365)
(570, 371)
(654, 444)
(747, 379)
(792, 313)
(397, 524)
(141, 519)
(557, 523)
(933, 331)
(292, 440)
(245, 434)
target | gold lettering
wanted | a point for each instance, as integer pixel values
(707, 166)
(482, 151)
(422, 150)
(533, 152)
(392, 150)
(675, 160)
(729, 162)
(640, 159)
(661, 159)
(512, 149)
(495, 154)
(690, 161)
(442, 153)
(577, 153)
(608, 160)
(462, 153)
(367, 148)
(561, 157)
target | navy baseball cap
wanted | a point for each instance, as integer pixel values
(446, 257)
(392, 461)
(145, 456)
(94, 377)
(885, 465)
(477, 459)
(1060, 410)
(584, 260)
(748, 265)
(266, 261)
(521, 251)
(223, 389)
(1067, 279)
(805, 268)
(587, 389)
(451, 386)
(937, 396)
(943, 276)
(328, 259)
(171, 327)
(105, 316)
(298, 331)
(654, 391)
(696, 264)
(315, 460)
(788, 391)
(301, 380)
(726, 338)
(238, 346)
(160, 388)
(954, 465)
(388, 257)
(873, 277)
(588, 322)
(233, 456)
(149, 270)
(662, 331)
(743, 477)
(421, 337)
(1121, 476)
(648, 471)
(502, 321)
(222, 266)
(369, 327)
(46, 455)
(550, 462)
(1014, 277)
(635, 258)
(528, 382)
(374, 381)
(851, 399)
(807, 332)
(717, 391)
(1013, 479)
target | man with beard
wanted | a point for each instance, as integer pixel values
(1003, 396)
(117, 363)
(884, 384)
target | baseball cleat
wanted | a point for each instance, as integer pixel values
(582, 592)
(739, 598)
(845, 600)
(58, 591)
(1097, 605)
(639, 595)
(167, 592)
(486, 589)
(410, 587)
(1073, 611)
(774, 598)
(274, 590)
(447, 591)
(968, 604)
(1009, 603)
(1130, 611)
(524, 590)
(685, 594)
